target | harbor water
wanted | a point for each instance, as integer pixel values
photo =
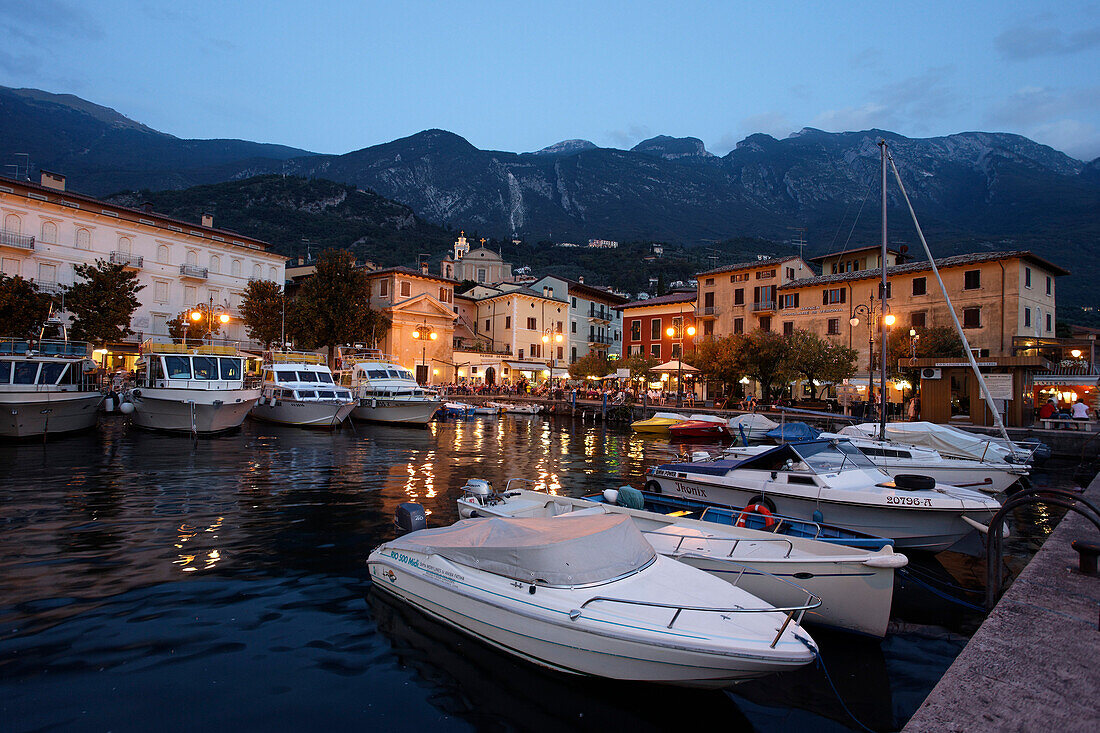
(149, 581)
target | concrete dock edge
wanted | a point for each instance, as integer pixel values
(1034, 664)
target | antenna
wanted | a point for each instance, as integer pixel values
(27, 163)
(801, 243)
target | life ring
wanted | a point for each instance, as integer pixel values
(760, 509)
(653, 487)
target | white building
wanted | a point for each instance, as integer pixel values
(595, 326)
(47, 230)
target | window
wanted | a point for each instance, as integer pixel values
(790, 273)
(738, 325)
(918, 320)
(561, 351)
(256, 272)
(215, 261)
(487, 324)
(788, 328)
(1027, 318)
(765, 274)
(235, 268)
(535, 351)
(84, 239)
(1049, 328)
(178, 367)
(655, 351)
(764, 295)
(1050, 285)
(481, 274)
(49, 232)
(507, 322)
(532, 324)
(739, 296)
(972, 279)
(889, 290)
(383, 288)
(766, 323)
(655, 329)
(573, 353)
(972, 317)
(676, 351)
(47, 273)
(708, 301)
(835, 295)
(192, 258)
(13, 224)
(574, 302)
(710, 281)
(635, 329)
(789, 301)
(920, 286)
(708, 328)
(834, 327)
(572, 326)
(634, 350)
(1027, 277)
(161, 291)
(406, 288)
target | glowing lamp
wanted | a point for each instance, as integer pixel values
(416, 334)
(224, 318)
(546, 372)
(196, 316)
(1076, 353)
(670, 331)
(558, 337)
(853, 321)
(889, 319)
(691, 330)
(434, 335)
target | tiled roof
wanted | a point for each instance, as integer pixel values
(868, 248)
(973, 258)
(402, 270)
(749, 265)
(659, 300)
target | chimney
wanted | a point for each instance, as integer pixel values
(581, 279)
(208, 220)
(301, 261)
(424, 267)
(56, 181)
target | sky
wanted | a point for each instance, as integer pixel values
(332, 76)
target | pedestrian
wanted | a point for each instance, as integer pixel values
(1079, 411)
(914, 408)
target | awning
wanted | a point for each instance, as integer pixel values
(527, 366)
(673, 367)
(1065, 380)
(559, 373)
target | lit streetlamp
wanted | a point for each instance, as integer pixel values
(677, 331)
(556, 336)
(209, 314)
(425, 333)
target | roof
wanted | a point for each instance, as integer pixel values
(598, 292)
(138, 216)
(523, 290)
(659, 300)
(749, 265)
(869, 248)
(973, 258)
(402, 270)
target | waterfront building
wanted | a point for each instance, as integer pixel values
(646, 324)
(47, 230)
(478, 264)
(594, 325)
(854, 260)
(742, 297)
(421, 310)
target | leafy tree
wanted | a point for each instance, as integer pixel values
(591, 364)
(262, 309)
(103, 302)
(23, 310)
(719, 360)
(765, 356)
(930, 342)
(638, 364)
(815, 358)
(333, 306)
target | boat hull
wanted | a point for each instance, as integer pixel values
(405, 412)
(32, 414)
(205, 412)
(320, 415)
(699, 430)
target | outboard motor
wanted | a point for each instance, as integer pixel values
(409, 517)
(478, 489)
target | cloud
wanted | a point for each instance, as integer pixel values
(908, 103)
(863, 117)
(1032, 41)
(52, 17)
(1054, 117)
(629, 137)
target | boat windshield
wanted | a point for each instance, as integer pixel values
(231, 368)
(816, 456)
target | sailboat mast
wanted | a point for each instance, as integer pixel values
(882, 304)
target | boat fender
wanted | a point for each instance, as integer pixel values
(610, 496)
(818, 516)
(893, 560)
(914, 482)
(760, 509)
(409, 517)
(126, 408)
(653, 487)
(136, 393)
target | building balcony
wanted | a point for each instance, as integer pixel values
(13, 240)
(595, 338)
(481, 347)
(599, 314)
(125, 259)
(707, 311)
(194, 272)
(766, 306)
(49, 287)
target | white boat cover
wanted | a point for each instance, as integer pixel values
(668, 416)
(708, 418)
(943, 438)
(752, 421)
(586, 549)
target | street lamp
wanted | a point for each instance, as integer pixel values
(210, 314)
(868, 310)
(556, 336)
(677, 331)
(425, 333)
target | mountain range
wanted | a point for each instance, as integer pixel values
(971, 190)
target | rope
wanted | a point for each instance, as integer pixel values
(941, 594)
(821, 664)
(933, 579)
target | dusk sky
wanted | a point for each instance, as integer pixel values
(338, 76)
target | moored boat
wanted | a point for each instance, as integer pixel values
(590, 596)
(387, 391)
(297, 388)
(46, 387)
(195, 387)
(659, 423)
(705, 427)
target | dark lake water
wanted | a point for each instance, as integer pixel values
(148, 582)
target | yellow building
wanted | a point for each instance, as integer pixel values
(421, 308)
(743, 297)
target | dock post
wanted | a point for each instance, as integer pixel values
(603, 408)
(573, 412)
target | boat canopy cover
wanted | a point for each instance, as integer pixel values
(708, 418)
(753, 421)
(667, 416)
(793, 432)
(944, 438)
(556, 551)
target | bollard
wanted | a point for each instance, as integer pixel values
(603, 408)
(1087, 553)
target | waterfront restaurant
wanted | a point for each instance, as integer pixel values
(1073, 374)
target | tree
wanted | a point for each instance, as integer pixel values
(639, 365)
(103, 302)
(719, 360)
(333, 306)
(262, 310)
(765, 356)
(23, 310)
(591, 364)
(820, 360)
(930, 342)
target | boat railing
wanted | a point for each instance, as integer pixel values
(295, 357)
(779, 520)
(811, 603)
(44, 347)
(211, 347)
(735, 541)
(351, 357)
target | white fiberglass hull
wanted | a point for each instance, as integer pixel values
(30, 414)
(187, 410)
(548, 627)
(412, 412)
(303, 414)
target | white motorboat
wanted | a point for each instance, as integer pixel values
(488, 409)
(298, 389)
(951, 442)
(832, 481)
(856, 587)
(898, 458)
(590, 596)
(46, 387)
(751, 427)
(514, 408)
(196, 388)
(387, 391)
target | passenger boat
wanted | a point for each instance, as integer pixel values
(46, 387)
(387, 391)
(190, 387)
(513, 408)
(705, 427)
(298, 389)
(589, 595)
(856, 587)
(832, 481)
(659, 423)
